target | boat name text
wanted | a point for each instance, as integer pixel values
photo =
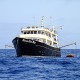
(29, 41)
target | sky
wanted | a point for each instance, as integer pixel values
(15, 14)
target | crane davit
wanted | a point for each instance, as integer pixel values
(68, 45)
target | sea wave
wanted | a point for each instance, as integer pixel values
(38, 68)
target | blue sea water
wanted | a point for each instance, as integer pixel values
(39, 68)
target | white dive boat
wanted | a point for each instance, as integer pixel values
(37, 41)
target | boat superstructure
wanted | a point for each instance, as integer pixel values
(40, 34)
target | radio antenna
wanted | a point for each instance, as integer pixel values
(50, 20)
(42, 23)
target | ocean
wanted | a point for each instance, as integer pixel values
(39, 68)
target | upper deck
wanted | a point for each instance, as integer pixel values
(36, 28)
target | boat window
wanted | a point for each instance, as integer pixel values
(46, 34)
(31, 32)
(36, 26)
(39, 32)
(24, 32)
(35, 32)
(54, 39)
(49, 35)
(55, 44)
(49, 42)
(28, 32)
(44, 41)
(33, 26)
(42, 32)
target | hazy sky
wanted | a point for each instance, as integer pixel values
(15, 14)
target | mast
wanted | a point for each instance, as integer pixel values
(50, 20)
(42, 23)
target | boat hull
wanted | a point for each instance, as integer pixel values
(30, 47)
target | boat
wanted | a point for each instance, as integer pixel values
(70, 55)
(37, 41)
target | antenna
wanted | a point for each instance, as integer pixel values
(42, 24)
(50, 20)
(34, 20)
